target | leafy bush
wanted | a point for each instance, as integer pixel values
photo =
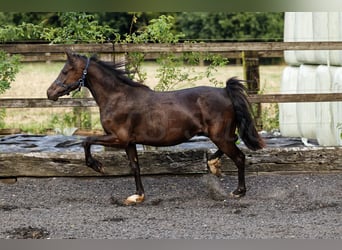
(77, 27)
(9, 67)
(171, 69)
(24, 31)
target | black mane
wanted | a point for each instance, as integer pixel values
(119, 71)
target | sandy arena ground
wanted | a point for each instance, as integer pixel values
(176, 207)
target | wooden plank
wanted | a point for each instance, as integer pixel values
(179, 47)
(57, 57)
(90, 102)
(55, 52)
(45, 103)
(283, 98)
(314, 159)
(56, 48)
(228, 46)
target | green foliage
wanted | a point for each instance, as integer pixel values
(177, 69)
(77, 27)
(173, 68)
(269, 114)
(158, 31)
(24, 31)
(193, 25)
(71, 120)
(2, 117)
(270, 117)
(9, 67)
(73, 27)
(339, 126)
(232, 25)
(134, 68)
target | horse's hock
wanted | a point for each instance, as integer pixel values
(57, 156)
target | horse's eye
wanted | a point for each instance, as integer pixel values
(64, 72)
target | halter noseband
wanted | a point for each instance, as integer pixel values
(79, 84)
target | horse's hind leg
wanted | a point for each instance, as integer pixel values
(139, 196)
(214, 163)
(238, 157)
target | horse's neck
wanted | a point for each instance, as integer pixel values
(105, 87)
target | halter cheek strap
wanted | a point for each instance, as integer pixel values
(79, 84)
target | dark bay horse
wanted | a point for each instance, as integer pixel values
(131, 113)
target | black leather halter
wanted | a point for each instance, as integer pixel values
(79, 84)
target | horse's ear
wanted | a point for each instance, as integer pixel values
(70, 55)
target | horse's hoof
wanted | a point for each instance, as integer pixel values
(97, 166)
(101, 170)
(214, 166)
(134, 199)
(98, 169)
(238, 193)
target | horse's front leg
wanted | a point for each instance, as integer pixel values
(139, 196)
(104, 140)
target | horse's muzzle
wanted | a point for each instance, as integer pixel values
(51, 95)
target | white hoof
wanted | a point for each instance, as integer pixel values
(134, 199)
(214, 166)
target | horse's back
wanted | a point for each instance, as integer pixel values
(211, 96)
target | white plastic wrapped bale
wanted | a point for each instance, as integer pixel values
(313, 26)
(325, 130)
(306, 111)
(289, 36)
(320, 24)
(337, 106)
(288, 122)
(304, 33)
(335, 34)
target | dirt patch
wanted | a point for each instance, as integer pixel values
(8, 207)
(28, 233)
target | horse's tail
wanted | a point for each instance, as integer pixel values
(244, 120)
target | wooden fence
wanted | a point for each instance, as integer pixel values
(55, 52)
(110, 51)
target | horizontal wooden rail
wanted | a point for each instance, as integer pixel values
(163, 47)
(233, 46)
(90, 102)
(45, 103)
(283, 98)
(55, 52)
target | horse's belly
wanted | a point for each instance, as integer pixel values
(167, 134)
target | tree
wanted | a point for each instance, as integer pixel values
(231, 26)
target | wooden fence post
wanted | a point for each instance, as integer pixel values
(251, 73)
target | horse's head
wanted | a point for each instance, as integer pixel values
(71, 77)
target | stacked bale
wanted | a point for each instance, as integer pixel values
(316, 71)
